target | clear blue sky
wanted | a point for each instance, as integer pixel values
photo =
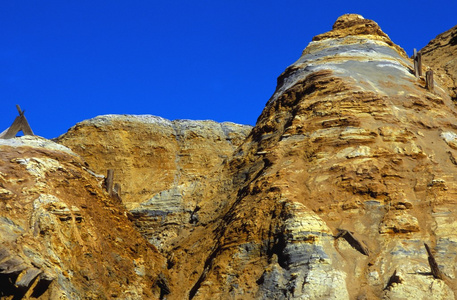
(66, 61)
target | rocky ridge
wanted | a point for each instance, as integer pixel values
(61, 235)
(441, 55)
(350, 145)
(151, 154)
(348, 172)
(157, 162)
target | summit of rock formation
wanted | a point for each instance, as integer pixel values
(150, 154)
(441, 55)
(349, 170)
(356, 25)
(156, 162)
(344, 189)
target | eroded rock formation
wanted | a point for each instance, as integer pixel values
(441, 55)
(348, 173)
(350, 141)
(61, 235)
(150, 154)
(157, 163)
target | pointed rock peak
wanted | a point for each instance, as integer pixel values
(356, 25)
(352, 24)
(354, 20)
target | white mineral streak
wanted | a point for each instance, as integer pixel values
(343, 56)
(39, 166)
(34, 142)
(450, 138)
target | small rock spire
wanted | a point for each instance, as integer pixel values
(352, 24)
(356, 25)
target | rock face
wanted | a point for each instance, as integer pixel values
(441, 55)
(157, 162)
(150, 154)
(61, 235)
(349, 171)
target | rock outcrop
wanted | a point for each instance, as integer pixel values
(157, 163)
(441, 55)
(344, 189)
(349, 170)
(151, 154)
(61, 235)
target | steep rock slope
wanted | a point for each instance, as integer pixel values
(349, 170)
(151, 154)
(62, 236)
(160, 165)
(441, 55)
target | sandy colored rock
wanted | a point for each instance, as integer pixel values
(150, 154)
(61, 235)
(159, 164)
(351, 140)
(441, 55)
(349, 171)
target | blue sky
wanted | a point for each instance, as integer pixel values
(67, 61)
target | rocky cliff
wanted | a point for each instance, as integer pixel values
(349, 170)
(157, 162)
(151, 154)
(347, 175)
(62, 236)
(441, 55)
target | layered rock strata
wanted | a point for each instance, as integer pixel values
(156, 162)
(151, 154)
(349, 170)
(61, 235)
(441, 55)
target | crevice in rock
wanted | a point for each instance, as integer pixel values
(277, 249)
(41, 287)
(163, 285)
(26, 286)
(7, 288)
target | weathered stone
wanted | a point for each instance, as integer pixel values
(440, 55)
(399, 222)
(350, 140)
(55, 230)
(25, 279)
(6, 194)
(157, 163)
(150, 154)
(12, 264)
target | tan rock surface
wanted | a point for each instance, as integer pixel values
(352, 141)
(160, 164)
(349, 170)
(61, 235)
(150, 154)
(441, 55)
